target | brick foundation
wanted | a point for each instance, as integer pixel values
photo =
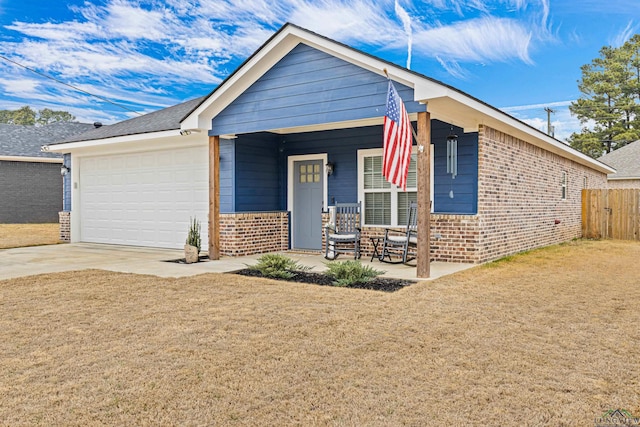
(253, 233)
(64, 219)
(454, 238)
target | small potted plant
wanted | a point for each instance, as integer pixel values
(192, 246)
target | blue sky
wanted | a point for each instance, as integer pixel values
(517, 55)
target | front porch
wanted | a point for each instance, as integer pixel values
(275, 190)
(32, 260)
(306, 132)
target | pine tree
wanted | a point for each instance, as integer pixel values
(28, 116)
(610, 88)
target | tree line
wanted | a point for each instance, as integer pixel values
(30, 117)
(610, 100)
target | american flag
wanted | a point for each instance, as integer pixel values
(397, 140)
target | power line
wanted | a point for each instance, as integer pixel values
(69, 85)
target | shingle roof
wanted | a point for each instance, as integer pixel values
(161, 120)
(25, 141)
(626, 160)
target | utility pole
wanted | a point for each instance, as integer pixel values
(550, 131)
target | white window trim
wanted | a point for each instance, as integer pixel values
(394, 200)
(564, 185)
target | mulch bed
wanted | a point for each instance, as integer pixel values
(378, 284)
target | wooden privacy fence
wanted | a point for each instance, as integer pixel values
(611, 214)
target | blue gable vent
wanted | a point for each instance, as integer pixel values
(309, 87)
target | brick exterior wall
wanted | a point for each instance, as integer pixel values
(455, 238)
(253, 233)
(30, 192)
(519, 195)
(623, 183)
(65, 226)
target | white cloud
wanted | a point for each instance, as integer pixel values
(353, 22)
(536, 106)
(53, 32)
(563, 122)
(624, 35)
(453, 68)
(406, 23)
(143, 52)
(20, 87)
(478, 40)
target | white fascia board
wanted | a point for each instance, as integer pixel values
(31, 159)
(73, 146)
(134, 143)
(622, 178)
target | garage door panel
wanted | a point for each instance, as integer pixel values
(144, 199)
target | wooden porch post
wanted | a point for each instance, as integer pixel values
(424, 195)
(214, 197)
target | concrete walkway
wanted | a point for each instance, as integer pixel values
(28, 261)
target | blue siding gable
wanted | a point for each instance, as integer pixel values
(309, 87)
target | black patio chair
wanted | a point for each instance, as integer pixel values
(343, 236)
(401, 246)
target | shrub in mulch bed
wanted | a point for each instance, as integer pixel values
(378, 284)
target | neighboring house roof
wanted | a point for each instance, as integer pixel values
(158, 121)
(626, 161)
(26, 141)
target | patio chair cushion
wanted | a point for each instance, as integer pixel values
(342, 236)
(402, 239)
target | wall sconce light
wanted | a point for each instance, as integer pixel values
(64, 170)
(330, 168)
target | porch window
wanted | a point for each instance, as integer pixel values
(384, 204)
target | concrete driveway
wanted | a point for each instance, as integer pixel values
(28, 261)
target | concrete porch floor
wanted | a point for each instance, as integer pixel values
(28, 261)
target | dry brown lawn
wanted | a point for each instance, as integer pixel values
(547, 338)
(19, 235)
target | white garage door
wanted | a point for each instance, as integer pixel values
(144, 199)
